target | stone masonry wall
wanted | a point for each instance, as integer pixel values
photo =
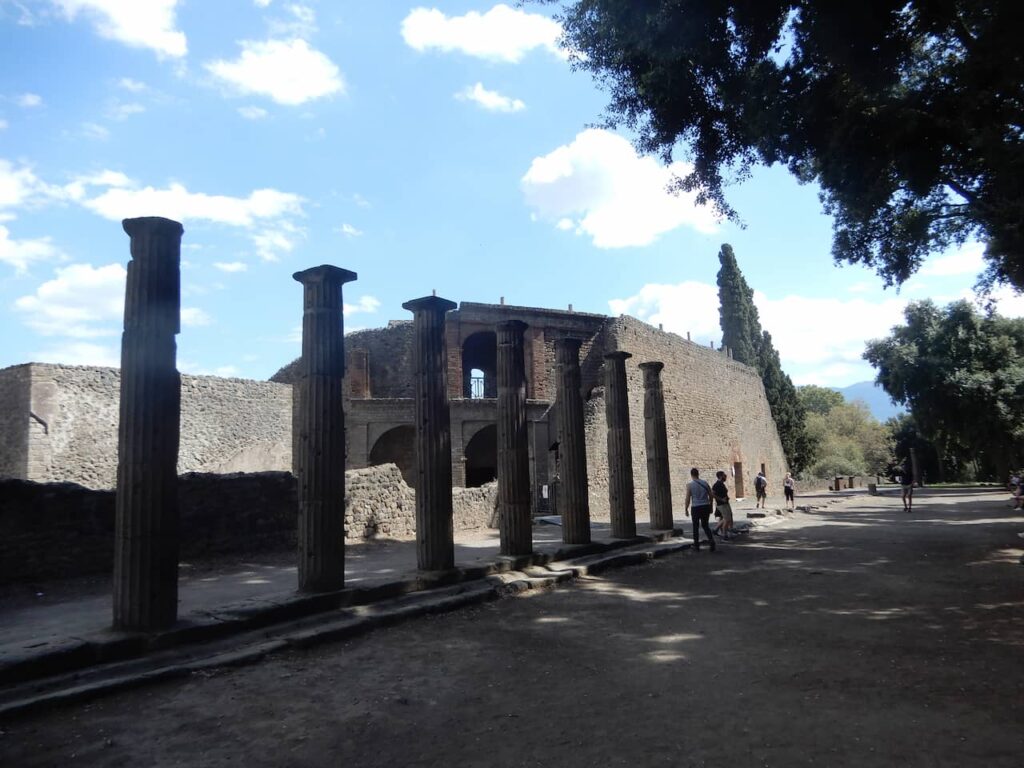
(60, 530)
(715, 408)
(14, 420)
(227, 425)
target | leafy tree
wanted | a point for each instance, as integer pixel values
(961, 375)
(909, 114)
(906, 436)
(787, 410)
(819, 400)
(741, 327)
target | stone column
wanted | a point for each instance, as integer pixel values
(435, 544)
(659, 483)
(513, 442)
(573, 499)
(620, 450)
(320, 450)
(146, 521)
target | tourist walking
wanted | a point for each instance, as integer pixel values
(699, 497)
(907, 485)
(760, 490)
(788, 487)
(722, 507)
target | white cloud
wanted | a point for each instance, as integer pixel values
(231, 266)
(271, 243)
(129, 84)
(19, 186)
(565, 224)
(81, 302)
(967, 260)
(30, 100)
(262, 3)
(193, 317)
(20, 254)
(492, 101)
(501, 34)
(826, 351)
(300, 22)
(367, 304)
(176, 202)
(289, 72)
(76, 189)
(361, 201)
(349, 231)
(137, 23)
(252, 113)
(3, 124)
(121, 111)
(80, 353)
(615, 197)
(95, 131)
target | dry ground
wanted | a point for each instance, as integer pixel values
(857, 636)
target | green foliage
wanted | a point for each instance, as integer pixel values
(817, 399)
(961, 375)
(741, 330)
(737, 313)
(907, 113)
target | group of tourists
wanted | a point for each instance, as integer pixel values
(702, 499)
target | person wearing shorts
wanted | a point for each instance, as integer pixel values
(698, 494)
(907, 485)
(722, 507)
(788, 487)
(760, 490)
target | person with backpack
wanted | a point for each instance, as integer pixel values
(760, 490)
(698, 494)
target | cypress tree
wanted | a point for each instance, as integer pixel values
(742, 332)
(741, 328)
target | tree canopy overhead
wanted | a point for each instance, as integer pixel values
(909, 114)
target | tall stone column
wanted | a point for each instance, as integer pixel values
(435, 543)
(320, 449)
(513, 442)
(146, 521)
(573, 499)
(659, 483)
(621, 498)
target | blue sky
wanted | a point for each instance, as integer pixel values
(442, 146)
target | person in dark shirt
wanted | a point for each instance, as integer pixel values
(722, 509)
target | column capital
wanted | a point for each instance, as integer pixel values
(155, 225)
(619, 355)
(429, 304)
(325, 273)
(654, 366)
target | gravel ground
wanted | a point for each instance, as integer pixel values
(853, 636)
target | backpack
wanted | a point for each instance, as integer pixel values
(759, 482)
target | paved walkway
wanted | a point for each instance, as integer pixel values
(57, 617)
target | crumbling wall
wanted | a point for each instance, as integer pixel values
(227, 425)
(15, 416)
(60, 530)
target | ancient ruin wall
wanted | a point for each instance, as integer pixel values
(14, 416)
(715, 408)
(227, 425)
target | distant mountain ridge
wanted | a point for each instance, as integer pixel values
(877, 400)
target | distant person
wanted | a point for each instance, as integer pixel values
(907, 484)
(698, 493)
(722, 507)
(760, 490)
(788, 486)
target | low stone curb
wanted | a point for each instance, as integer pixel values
(84, 668)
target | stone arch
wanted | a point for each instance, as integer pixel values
(397, 446)
(480, 353)
(481, 454)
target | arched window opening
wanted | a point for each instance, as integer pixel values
(482, 457)
(480, 365)
(397, 446)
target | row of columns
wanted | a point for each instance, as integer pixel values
(146, 536)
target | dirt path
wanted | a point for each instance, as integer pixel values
(856, 636)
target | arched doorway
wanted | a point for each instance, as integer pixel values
(480, 365)
(397, 446)
(481, 454)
